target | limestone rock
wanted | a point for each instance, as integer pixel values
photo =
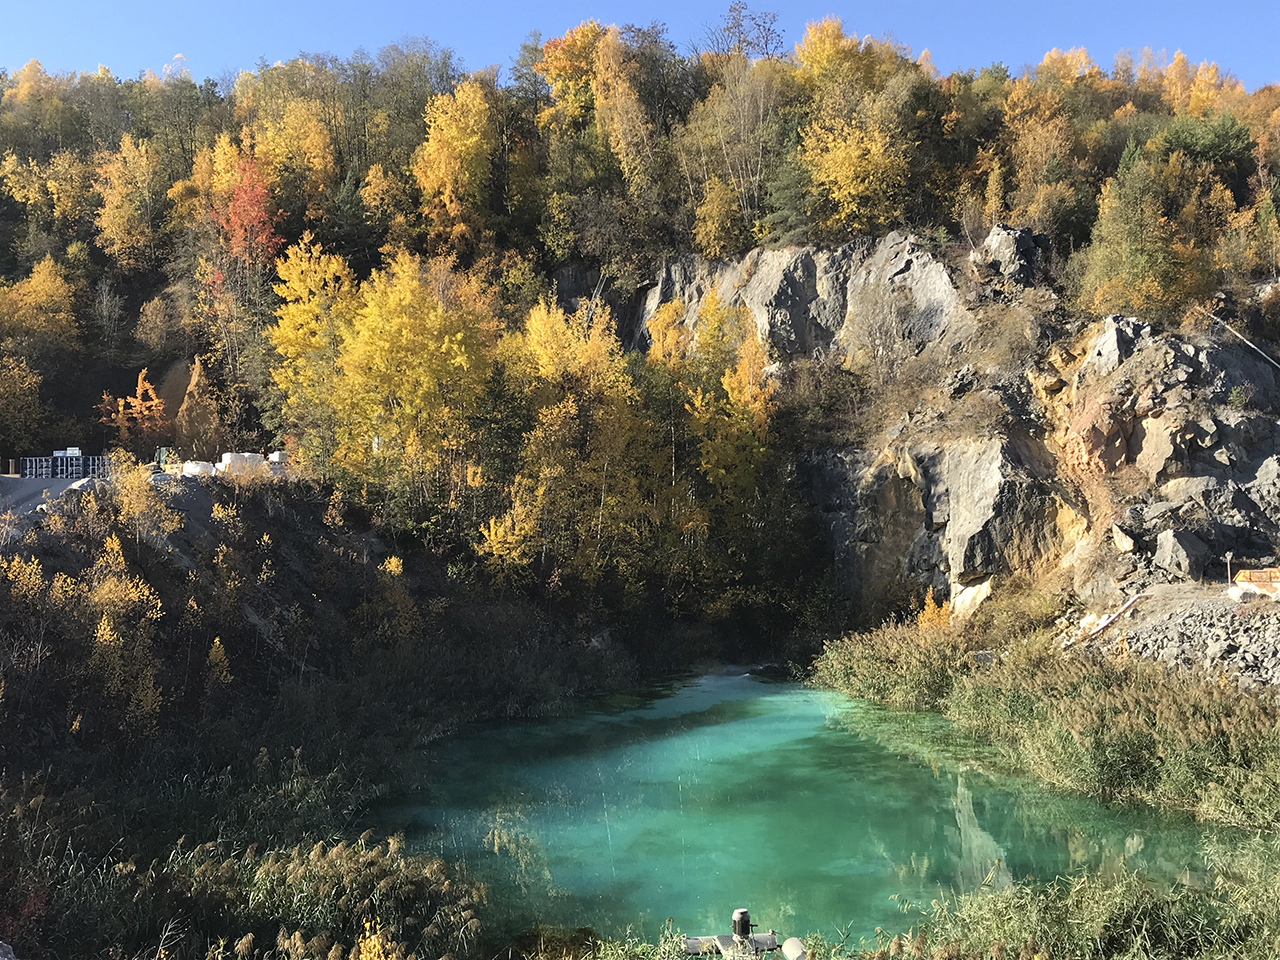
(947, 516)
(900, 301)
(967, 599)
(6, 952)
(1114, 345)
(1181, 552)
(1154, 445)
(1097, 440)
(1008, 252)
(979, 474)
(797, 297)
(1264, 488)
(882, 302)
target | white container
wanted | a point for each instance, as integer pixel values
(242, 464)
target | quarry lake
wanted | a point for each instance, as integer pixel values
(816, 813)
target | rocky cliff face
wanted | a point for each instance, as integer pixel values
(891, 295)
(1024, 440)
(948, 515)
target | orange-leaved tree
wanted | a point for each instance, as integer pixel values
(139, 420)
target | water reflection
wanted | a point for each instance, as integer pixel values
(728, 792)
(981, 861)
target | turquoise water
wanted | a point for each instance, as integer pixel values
(817, 814)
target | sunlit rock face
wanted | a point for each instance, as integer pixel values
(1005, 434)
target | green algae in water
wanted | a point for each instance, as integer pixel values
(818, 814)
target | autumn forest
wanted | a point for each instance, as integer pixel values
(416, 279)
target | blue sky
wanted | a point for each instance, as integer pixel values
(129, 36)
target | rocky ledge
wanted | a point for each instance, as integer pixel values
(1199, 627)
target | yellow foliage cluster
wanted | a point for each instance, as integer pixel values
(933, 614)
(36, 314)
(452, 167)
(721, 229)
(141, 507)
(130, 184)
(721, 371)
(378, 377)
(861, 166)
(217, 668)
(118, 609)
(57, 192)
(619, 112)
(567, 64)
(825, 51)
(296, 146)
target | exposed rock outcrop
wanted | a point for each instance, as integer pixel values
(1008, 253)
(888, 298)
(1029, 440)
(949, 516)
(798, 297)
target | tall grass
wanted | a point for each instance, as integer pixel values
(1111, 727)
(69, 893)
(1101, 918)
(1237, 917)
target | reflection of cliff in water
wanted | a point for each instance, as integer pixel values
(982, 860)
(818, 814)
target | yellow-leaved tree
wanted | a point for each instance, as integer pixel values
(295, 155)
(57, 194)
(827, 56)
(133, 200)
(584, 502)
(141, 507)
(36, 318)
(21, 411)
(860, 166)
(125, 611)
(453, 166)
(1041, 143)
(409, 375)
(315, 318)
(731, 421)
(568, 65)
(619, 112)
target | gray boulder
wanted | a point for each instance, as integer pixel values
(1114, 345)
(1008, 252)
(1123, 542)
(901, 301)
(1264, 488)
(6, 952)
(1181, 552)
